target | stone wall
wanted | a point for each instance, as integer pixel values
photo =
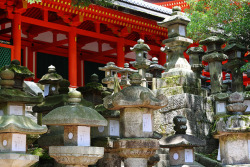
(199, 113)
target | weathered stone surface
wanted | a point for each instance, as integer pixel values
(236, 97)
(134, 96)
(181, 140)
(20, 124)
(136, 148)
(76, 155)
(235, 123)
(230, 152)
(110, 160)
(74, 115)
(20, 160)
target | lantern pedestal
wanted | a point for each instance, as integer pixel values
(136, 151)
(74, 156)
(20, 160)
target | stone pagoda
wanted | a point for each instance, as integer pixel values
(141, 61)
(21, 73)
(110, 72)
(195, 56)
(155, 69)
(214, 57)
(178, 76)
(136, 104)
(93, 92)
(50, 81)
(14, 125)
(181, 145)
(233, 133)
(235, 53)
(125, 73)
(77, 120)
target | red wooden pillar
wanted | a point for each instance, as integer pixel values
(16, 35)
(120, 53)
(72, 57)
(162, 58)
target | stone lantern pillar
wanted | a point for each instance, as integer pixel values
(136, 104)
(14, 125)
(155, 69)
(125, 72)
(181, 152)
(235, 53)
(214, 57)
(233, 133)
(110, 71)
(77, 121)
(141, 62)
(195, 56)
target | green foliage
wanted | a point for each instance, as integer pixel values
(225, 18)
(213, 155)
(44, 157)
(245, 67)
(33, 1)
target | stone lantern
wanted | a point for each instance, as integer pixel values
(195, 56)
(155, 69)
(176, 23)
(50, 81)
(233, 133)
(54, 137)
(178, 71)
(141, 61)
(235, 53)
(125, 72)
(94, 91)
(104, 136)
(214, 57)
(21, 72)
(181, 152)
(110, 71)
(228, 81)
(77, 121)
(136, 104)
(14, 125)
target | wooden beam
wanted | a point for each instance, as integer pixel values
(67, 29)
(49, 45)
(5, 31)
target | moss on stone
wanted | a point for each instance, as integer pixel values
(13, 95)
(172, 81)
(107, 113)
(21, 71)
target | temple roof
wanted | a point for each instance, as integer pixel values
(144, 7)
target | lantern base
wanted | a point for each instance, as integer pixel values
(17, 160)
(76, 156)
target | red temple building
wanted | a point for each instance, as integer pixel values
(73, 39)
